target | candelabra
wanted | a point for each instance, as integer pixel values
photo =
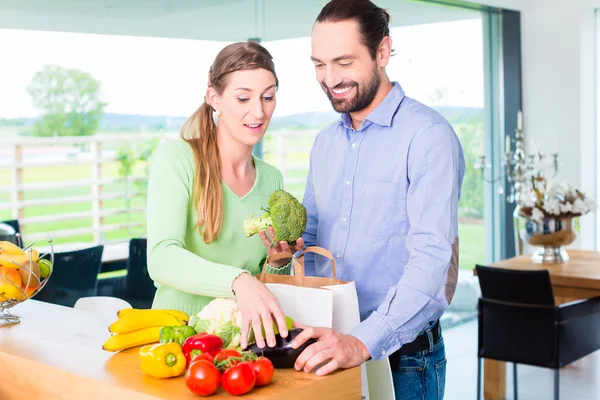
(518, 166)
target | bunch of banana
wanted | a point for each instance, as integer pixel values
(135, 327)
(11, 254)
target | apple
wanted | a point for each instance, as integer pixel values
(10, 283)
(29, 291)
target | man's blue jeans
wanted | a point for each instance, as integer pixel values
(422, 376)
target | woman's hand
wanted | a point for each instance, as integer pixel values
(258, 304)
(279, 247)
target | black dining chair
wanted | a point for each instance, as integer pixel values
(519, 322)
(136, 287)
(74, 275)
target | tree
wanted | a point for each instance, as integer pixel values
(69, 99)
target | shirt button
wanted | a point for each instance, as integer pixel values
(338, 256)
(383, 352)
(344, 219)
(353, 145)
(347, 181)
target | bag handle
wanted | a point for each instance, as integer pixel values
(298, 263)
(323, 252)
(298, 268)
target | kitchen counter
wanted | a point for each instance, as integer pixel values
(55, 352)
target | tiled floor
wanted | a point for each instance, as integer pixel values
(578, 381)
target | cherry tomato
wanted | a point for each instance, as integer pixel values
(202, 378)
(225, 354)
(238, 379)
(202, 356)
(214, 352)
(264, 370)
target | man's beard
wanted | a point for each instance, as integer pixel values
(363, 98)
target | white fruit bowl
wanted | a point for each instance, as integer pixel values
(28, 288)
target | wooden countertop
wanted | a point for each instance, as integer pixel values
(55, 352)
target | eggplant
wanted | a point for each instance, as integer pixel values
(283, 355)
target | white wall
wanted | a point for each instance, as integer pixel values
(559, 89)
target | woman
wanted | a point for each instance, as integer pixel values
(202, 188)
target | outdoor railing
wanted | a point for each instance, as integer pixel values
(71, 188)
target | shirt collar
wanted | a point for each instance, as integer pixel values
(384, 113)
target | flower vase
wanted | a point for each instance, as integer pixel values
(548, 236)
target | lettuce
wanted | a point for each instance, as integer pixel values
(201, 325)
(230, 334)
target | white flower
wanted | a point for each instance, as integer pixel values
(566, 208)
(552, 206)
(527, 198)
(558, 198)
(537, 215)
(579, 207)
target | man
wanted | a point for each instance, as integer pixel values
(382, 195)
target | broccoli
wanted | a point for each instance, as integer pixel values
(285, 214)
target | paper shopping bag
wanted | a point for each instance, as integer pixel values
(301, 298)
(327, 302)
(376, 375)
(315, 306)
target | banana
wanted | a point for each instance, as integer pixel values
(139, 337)
(176, 313)
(10, 248)
(140, 320)
(8, 259)
(126, 311)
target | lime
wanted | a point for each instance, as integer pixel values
(288, 323)
(45, 267)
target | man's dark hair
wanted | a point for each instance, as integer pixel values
(373, 21)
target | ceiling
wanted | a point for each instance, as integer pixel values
(226, 20)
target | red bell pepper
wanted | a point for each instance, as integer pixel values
(201, 343)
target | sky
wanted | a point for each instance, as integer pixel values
(439, 64)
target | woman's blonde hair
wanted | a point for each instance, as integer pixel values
(200, 131)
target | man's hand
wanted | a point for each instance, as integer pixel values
(278, 247)
(343, 351)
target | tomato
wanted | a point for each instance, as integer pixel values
(225, 354)
(201, 356)
(202, 378)
(239, 379)
(264, 371)
(214, 352)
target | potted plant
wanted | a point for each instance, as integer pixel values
(549, 211)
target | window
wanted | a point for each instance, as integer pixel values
(439, 61)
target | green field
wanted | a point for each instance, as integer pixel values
(471, 234)
(472, 245)
(67, 173)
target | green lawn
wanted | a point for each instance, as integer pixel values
(472, 245)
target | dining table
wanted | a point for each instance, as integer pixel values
(575, 279)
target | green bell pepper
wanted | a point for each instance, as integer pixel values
(177, 334)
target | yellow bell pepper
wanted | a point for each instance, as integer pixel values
(162, 360)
